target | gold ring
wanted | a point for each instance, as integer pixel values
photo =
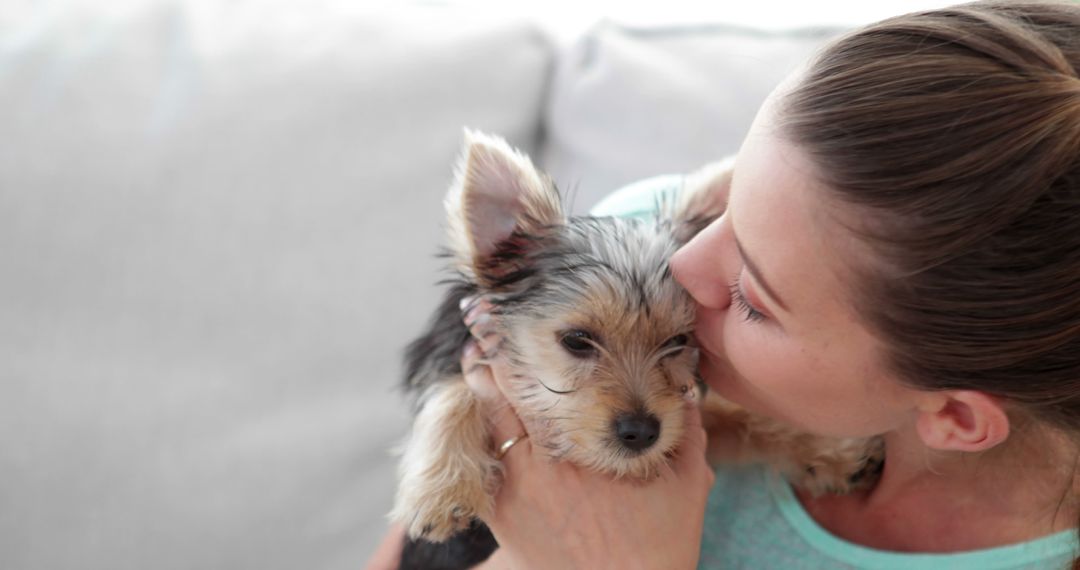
(506, 445)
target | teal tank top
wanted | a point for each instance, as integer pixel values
(753, 520)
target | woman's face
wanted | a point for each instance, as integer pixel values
(775, 319)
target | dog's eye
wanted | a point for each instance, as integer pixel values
(676, 342)
(579, 343)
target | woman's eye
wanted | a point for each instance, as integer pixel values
(578, 343)
(737, 299)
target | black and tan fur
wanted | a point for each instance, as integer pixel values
(599, 336)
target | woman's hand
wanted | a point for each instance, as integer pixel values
(388, 555)
(556, 515)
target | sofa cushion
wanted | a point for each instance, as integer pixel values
(217, 231)
(627, 103)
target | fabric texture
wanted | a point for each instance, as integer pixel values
(627, 103)
(754, 520)
(218, 230)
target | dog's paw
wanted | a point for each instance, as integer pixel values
(435, 511)
(838, 468)
(438, 525)
(821, 478)
(446, 474)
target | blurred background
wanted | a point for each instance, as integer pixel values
(218, 223)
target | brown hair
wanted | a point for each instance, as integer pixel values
(957, 133)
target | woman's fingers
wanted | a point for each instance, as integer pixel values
(478, 374)
(691, 455)
(476, 314)
(695, 434)
(505, 425)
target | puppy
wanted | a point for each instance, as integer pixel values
(599, 337)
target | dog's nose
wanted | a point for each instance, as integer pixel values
(637, 431)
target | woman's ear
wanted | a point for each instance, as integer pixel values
(962, 420)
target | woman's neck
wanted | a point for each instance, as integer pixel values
(931, 501)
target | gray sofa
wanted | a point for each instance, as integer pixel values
(217, 231)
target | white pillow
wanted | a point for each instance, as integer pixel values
(629, 103)
(218, 223)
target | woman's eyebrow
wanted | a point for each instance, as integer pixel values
(758, 277)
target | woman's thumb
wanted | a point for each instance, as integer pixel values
(691, 454)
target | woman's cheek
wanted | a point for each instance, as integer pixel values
(743, 352)
(762, 367)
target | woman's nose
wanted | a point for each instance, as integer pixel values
(699, 267)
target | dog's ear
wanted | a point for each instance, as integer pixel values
(497, 207)
(702, 199)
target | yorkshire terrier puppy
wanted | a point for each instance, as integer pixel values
(599, 336)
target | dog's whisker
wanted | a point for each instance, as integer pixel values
(551, 407)
(554, 391)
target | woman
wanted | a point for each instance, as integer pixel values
(900, 256)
